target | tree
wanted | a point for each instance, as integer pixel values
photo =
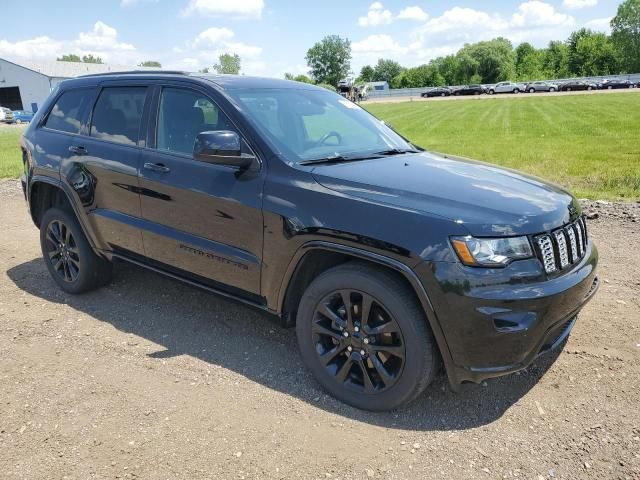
(150, 63)
(69, 57)
(386, 70)
(91, 59)
(575, 62)
(228, 63)
(556, 60)
(298, 78)
(367, 73)
(487, 62)
(329, 59)
(625, 34)
(597, 55)
(529, 62)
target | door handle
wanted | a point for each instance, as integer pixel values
(157, 167)
(78, 149)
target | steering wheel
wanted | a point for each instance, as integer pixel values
(328, 135)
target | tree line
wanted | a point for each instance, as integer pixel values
(584, 53)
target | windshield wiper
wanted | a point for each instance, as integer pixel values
(337, 158)
(396, 151)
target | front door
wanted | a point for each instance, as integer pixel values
(202, 220)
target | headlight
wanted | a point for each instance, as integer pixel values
(491, 252)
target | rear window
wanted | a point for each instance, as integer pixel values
(66, 114)
(118, 114)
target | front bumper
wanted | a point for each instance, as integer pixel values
(497, 321)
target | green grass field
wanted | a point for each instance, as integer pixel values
(587, 143)
(10, 156)
(590, 144)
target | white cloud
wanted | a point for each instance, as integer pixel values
(377, 15)
(377, 45)
(101, 41)
(212, 37)
(38, 47)
(237, 8)
(576, 4)
(600, 25)
(413, 13)
(539, 14)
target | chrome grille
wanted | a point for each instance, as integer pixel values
(563, 247)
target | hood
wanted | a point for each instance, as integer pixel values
(487, 199)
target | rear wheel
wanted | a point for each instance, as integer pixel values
(491, 92)
(365, 338)
(69, 258)
(516, 90)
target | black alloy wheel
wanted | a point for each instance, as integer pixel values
(62, 251)
(358, 341)
(365, 337)
(70, 259)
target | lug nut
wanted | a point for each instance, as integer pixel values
(357, 329)
(349, 348)
(363, 353)
(345, 334)
(366, 341)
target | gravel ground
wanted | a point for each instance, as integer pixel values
(150, 378)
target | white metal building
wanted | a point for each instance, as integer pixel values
(25, 84)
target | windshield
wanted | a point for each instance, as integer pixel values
(310, 124)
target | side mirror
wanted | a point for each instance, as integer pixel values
(221, 147)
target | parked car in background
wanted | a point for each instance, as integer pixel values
(577, 85)
(22, 116)
(507, 87)
(469, 90)
(6, 115)
(541, 87)
(615, 84)
(437, 92)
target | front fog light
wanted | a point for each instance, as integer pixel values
(491, 252)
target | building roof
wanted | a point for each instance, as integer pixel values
(56, 69)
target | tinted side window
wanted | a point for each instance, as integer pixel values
(118, 113)
(66, 115)
(182, 115)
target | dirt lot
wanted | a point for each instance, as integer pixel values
(150, 378)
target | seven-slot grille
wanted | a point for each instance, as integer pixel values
(562, 247)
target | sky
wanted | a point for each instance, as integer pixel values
(272, 36)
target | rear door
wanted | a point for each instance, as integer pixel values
(104, 165)
(201, 220)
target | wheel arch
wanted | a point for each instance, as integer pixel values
(44, 193)
(313, 258)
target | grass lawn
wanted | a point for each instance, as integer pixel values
(590, 144)
(10, 155)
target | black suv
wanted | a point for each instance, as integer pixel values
(388, 259)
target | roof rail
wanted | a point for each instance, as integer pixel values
(137, 72)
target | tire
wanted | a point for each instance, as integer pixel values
(75, 267)
(568, 89)
(443, 94)
(18, 122)
(589, 88)
(532, 90)
(491, 92)
(392, 301)
(610, 87)
(516, 91)
(551, 90)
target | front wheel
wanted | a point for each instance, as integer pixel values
(551, 90)
(491, 92)
(516, 91)
(71, 261)
(365, 338)
(532, 90)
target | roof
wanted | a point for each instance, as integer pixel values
(56, 69)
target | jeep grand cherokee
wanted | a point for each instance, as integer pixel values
(389, 260)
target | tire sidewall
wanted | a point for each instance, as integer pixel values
(415, 344)
(89, 267)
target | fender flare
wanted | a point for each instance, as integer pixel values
(404, 270)
(80, 216)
